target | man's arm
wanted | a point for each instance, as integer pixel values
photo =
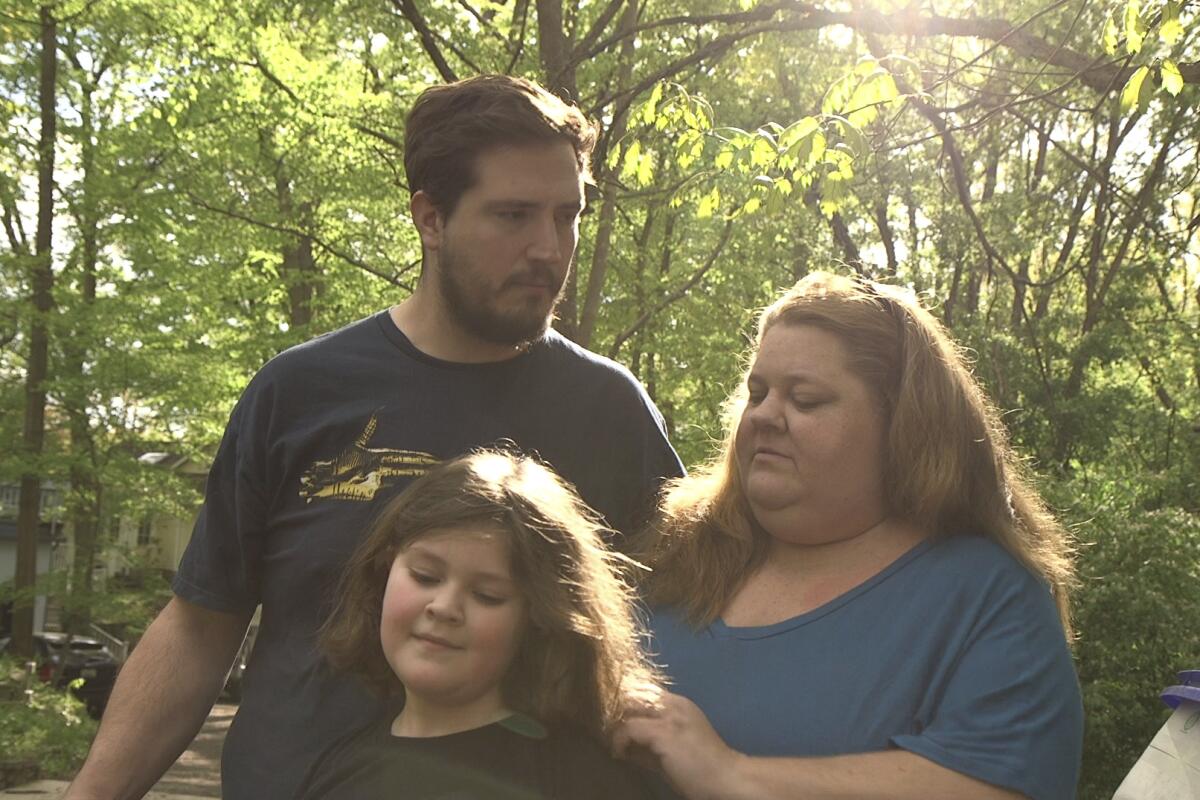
(161, 698)
(702, 767)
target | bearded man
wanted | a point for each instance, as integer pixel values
(329, 430)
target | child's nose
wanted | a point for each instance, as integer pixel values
(446, 605)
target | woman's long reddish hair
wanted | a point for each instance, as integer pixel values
(950, 468)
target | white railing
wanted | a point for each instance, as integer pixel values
(119, 648)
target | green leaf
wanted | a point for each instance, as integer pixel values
(1171, 28)
(763, 152)
(630, 163)
(689, 148)
(724, 158)
(854, 137)
(837, 94)
(833, 192)
(1135, 29)
(708, 204)
(818, 149)
(866, 67)
(863, 106)
(650, 109)
(1172, 81)
(614, 157)
(1112, 36)
(798, 131)
(776, 201)
(1131, 95)
(645, 170)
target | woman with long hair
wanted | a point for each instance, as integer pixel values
(862, 595)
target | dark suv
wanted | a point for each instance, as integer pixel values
(84, 658)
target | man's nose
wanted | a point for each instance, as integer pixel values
(545, 244)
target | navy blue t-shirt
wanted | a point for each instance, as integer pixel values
(954, 652)
(324, 435)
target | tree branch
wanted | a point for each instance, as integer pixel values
(677, 294)
(597, 28)
(393, 279)
(1101, 74)
(408, 9)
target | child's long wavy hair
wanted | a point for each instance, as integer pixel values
(580, 661)
(949, 467)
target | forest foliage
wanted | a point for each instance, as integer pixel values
(219, 180)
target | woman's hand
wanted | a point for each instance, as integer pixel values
(678, 735)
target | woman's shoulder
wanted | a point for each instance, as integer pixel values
(975, 558)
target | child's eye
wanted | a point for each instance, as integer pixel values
(422, 578)
(490, 599)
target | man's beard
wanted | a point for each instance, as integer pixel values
(476, 312)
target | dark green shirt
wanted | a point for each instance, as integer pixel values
(515, 759)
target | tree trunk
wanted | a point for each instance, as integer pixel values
(298, 269)
(42, 281)
(85, 483)
(608, 209)
(554, 50)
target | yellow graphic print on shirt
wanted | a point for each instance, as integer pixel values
(359, 471)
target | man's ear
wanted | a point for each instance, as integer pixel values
(428, 219)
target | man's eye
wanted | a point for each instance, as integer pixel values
(807, 403)
(511, 216)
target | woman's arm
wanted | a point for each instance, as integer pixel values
(702, 767)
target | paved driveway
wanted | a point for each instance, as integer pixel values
(197, 773)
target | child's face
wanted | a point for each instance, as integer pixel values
(452, 618)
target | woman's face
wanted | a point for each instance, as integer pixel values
(810, 441)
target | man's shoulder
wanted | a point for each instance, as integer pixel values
(350, 337)
(322, 353)
(560, 351)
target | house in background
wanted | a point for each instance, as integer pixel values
(159, 538)
(162, 536)
(51, 552)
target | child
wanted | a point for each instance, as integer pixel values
(484, 599)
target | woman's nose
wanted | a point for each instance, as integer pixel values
(768, 412)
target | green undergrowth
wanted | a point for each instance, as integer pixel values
(44, 732)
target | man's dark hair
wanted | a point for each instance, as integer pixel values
(450, 125)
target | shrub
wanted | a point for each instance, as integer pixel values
(1137, 612)
(47, 727)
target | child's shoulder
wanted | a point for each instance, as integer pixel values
(585, 769)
